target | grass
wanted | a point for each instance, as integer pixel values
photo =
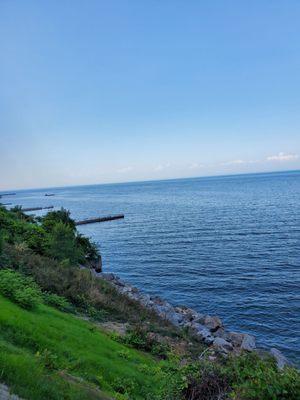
(49, 354)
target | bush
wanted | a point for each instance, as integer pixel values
(61, 244)
(139, 338)
(22, 290)
(54, 217)
(255, 378)
(59, 302)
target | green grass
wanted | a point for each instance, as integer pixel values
(53, 355)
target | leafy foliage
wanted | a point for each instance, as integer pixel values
(61, 244)
(59, 302)
(255, 378)
(54, 217)
(22, 290)
(139, 338)
(53, 235)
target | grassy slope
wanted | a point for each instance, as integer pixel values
(36, 346)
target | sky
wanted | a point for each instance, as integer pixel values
(115, 91)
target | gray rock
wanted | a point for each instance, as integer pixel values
(97, 264)
(108, 276)
(222, 345)
(189, 314)
(235, 338)
(202, 332)
(212, 323)
(220, 332)
(248, 343)
(174, 318)
(281, 360)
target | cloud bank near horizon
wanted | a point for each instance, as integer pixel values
(135, 172)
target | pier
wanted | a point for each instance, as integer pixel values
(36, 208)
(100, 219)
(7, 194)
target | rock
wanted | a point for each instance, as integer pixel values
(235, 338)
(241, 340)
(189, 314)
(248, 343)
(202, 332)
(220, 332)
(222, 345)
(281, 360)
(212, 323)
(108, 276)
(174, 318)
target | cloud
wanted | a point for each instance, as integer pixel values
(283, 157)
(195, 166)
(234, 162)
(124, 170)
(240, 162)
(161, 167)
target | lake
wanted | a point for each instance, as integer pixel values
(228, 246)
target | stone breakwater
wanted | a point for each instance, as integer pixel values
(207, 328)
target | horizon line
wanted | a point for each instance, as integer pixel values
(150, 180)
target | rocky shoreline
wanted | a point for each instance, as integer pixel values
(209, 329)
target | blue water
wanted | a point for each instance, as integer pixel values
(228, 246)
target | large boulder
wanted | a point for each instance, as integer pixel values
(222, 345)
(281, 360)
(212, 323)
(248, 343)
(202, 332)
(242, 340)
(96, 264)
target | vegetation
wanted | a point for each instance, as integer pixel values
(52, 339)
(46, 354)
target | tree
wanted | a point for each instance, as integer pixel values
(53, 217)
(61, 244)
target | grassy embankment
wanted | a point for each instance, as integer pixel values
(47, 354)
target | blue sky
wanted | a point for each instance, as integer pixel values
(111, 91)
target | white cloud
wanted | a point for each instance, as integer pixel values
(283, 157)
(234, 162)
(124, 170)
(195, 166)
(240, 162)
(161, 167)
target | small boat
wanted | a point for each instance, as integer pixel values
(49, 194)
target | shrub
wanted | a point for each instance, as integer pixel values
(61, 244)
(255, 378)
(139, 338)
(22, 290)
(193, 381)
(60, 216)
(59, 302)
(124, 386)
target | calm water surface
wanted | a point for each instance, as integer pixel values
(224, 245)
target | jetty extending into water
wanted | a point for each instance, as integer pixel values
(99, 219)
(36, 208)
(7, 194)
